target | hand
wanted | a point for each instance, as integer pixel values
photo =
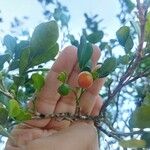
(79, 136)
(49, 101)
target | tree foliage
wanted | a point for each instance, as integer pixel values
(125, 113)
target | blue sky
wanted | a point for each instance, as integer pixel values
(106, 9)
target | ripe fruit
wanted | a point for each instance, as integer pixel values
(64, 89)
(85, 79)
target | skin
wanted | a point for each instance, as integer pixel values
(51, 134)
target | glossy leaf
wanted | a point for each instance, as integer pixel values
(3, 116)
(130, 5)
(23, 116)
(4, 58)
(146, 137)
(133, 143)
(14, 108)
(129, 44)
(145, 62)
(147, 99)
(38, 81)
(95, 37)
(20, 47)
(10, 43)
(45, 56)
(73, 41)
(19, 80)
(24, 61)
(103, 45)
(44, 38)
(140, 117)
(14, 65)
(124, 60)
(85, 52)
(147, 28)
(107, 67)
(124, 38)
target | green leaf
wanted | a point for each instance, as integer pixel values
(85, 52)
(145, 62)
(3, 116)
(44, 38)
(129, 44)
(14, 108)
(147, 99)
(124, 60)
(146, 137)
(23, 116)
(45, 56)
(130, 5)
(147, 28)
(14, 65)
(3, 59)
(19, 80)
(63, 77)
(73, 41)
(24, 61)
(107, 67)
(88, 66)
(122, 35)
(38, 81)
(95, 37)
(103, 45)
(10, 43)
(140, 117)
(133, 143)
(124, 38)
(20, 47)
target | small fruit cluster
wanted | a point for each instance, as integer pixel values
(85, 80)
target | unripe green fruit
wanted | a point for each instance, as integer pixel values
(64, 89)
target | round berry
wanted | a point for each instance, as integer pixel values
(85, 79)
(64, 89)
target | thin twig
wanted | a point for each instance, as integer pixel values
(139, 54)
(39, 69)
(6, 94)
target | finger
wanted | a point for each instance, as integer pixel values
(97, 106)
(80, 136)
(88, 98)
(68, 103)
(48, 96)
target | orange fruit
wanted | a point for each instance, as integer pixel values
(85, 79)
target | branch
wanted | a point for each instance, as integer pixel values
(118, 134)
(139, 54)
(6, 94)
(39, 69)
(143, 74)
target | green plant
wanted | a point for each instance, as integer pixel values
(126, 72)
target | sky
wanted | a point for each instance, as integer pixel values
(107, 10)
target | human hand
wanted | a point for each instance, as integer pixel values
(79, 136)
(49, 101)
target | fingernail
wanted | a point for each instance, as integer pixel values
(44, 108)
